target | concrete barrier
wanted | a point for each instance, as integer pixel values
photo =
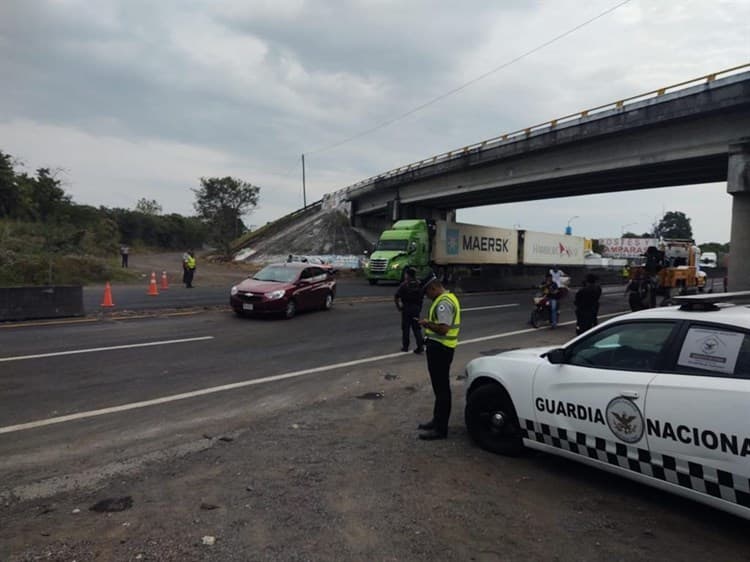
(24, 303)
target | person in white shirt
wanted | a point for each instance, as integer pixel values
(556, 274)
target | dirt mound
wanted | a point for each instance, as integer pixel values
(324, 233)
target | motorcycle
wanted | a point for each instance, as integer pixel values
(541, 312)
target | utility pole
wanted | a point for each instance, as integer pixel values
(304, 192)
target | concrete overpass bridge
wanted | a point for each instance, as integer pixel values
(689, 133)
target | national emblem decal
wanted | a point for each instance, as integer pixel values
(625, 420)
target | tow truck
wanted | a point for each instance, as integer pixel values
(672, 270)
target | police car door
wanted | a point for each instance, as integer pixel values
(592, 404)
(698, 416)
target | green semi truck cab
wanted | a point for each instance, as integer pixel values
(406, 243)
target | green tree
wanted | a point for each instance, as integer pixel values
(220, 203)
(674, 225)
(9, 194)
(715, 247)
(42, 196)
(148, 206)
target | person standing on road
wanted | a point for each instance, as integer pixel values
(409, 302)
(124, 252)
(587, 304)
(441, 332)
(637, 290)
(189, 269)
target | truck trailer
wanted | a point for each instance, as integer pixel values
(443, 246)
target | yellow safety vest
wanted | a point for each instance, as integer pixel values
(451, 338)
(190, 262)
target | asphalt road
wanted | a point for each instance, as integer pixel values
(135, 297)
(87, 400)
(63, 369)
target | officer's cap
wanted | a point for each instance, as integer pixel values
(428, 280)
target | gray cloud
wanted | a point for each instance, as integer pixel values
(141, 98)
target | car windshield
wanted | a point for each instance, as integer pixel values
(399, 245)
(277, 273)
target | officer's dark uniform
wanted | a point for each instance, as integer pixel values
(409, 301)
(587, 305)
(445, 310)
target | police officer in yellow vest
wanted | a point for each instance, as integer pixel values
(441, 334)
(188, 268)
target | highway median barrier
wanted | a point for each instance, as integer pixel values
(24, 303)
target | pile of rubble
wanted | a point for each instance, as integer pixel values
(324, 233)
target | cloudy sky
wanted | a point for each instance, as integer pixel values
(138, 98)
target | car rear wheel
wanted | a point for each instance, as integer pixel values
(291, 309)
(492, 421)
(328, 302)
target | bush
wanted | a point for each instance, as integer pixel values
(51, 269)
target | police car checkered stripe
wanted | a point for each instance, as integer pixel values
(694, 476)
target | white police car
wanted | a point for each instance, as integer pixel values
(661, 396)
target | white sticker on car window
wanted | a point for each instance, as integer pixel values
(711, 350)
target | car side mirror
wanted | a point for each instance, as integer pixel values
(556, 356)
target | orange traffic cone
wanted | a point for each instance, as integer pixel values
(164, 282)
(152, 290)
(107, 300)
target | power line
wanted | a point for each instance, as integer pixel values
(470, 82)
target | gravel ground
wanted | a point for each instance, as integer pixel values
(344, 478)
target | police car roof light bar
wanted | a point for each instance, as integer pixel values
(708, 301)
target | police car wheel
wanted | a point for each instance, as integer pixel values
(328, 303)
(291, 309)
(492, 421)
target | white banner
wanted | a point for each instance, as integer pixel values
(625, 247)
(561, 249)
(458, 243)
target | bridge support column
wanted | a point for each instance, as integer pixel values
(738, 186)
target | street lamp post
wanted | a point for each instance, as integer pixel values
(569, 229)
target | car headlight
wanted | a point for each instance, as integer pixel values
(233, 291)
(275, 295)
(395, 266)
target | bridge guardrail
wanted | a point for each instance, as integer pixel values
(547, 125)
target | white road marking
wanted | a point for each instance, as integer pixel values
(527, 330)
(97, 349)
(489, 307)
(242, 384)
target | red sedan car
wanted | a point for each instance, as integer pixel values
(284, 288)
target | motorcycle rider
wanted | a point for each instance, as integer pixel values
(551, 290)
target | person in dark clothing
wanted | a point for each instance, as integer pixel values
(587, 304)
(637, 290)
(409, 301)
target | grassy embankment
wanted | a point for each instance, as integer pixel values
(45, 254)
